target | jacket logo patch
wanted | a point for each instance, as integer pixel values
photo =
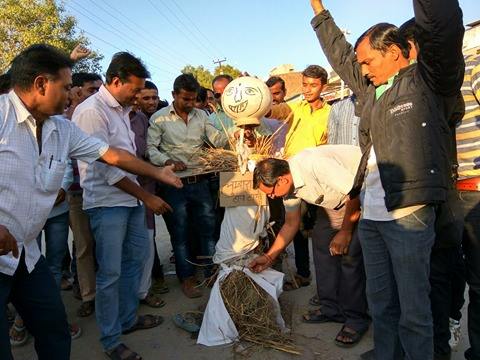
(401, 109)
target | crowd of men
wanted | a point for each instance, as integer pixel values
(385, 183)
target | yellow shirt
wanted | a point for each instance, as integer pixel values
(307, 129)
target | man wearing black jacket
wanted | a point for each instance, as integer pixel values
(405, 169)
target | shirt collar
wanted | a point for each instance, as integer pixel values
(21, 111)
(109, 99)
(296, 173)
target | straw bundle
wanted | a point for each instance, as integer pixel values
(253, 313)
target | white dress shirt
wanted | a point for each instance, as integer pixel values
(29, 181)
(103, 117)
(323, 175)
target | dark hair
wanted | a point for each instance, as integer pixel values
(275, 80)
(222, 76)
(185, 82)
(267, 172)
(123, 65)
(150, 85)
(407, 30)
(5, 83)
(37, 60)
(382, 36)
(316, 72)
(202, 94)
(162, 104)
(79, 79)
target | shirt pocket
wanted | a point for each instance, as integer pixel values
(50, 175)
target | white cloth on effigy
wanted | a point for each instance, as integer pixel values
(241, 228)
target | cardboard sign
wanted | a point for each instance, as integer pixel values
(237, 190)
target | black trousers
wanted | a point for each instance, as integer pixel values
(340, 279)
(470, 201)
(446, 266)
(37, 299)
(300, 242)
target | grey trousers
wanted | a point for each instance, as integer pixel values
(340, 279)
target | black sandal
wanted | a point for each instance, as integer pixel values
(144, 322)
(352, 335)
(121, 352)
(315, 317)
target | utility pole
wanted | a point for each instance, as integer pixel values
(219, 62)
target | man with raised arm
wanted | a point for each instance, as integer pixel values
(405, 169)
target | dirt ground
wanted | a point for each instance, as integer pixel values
(169, 342)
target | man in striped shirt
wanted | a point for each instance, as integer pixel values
(468, 184)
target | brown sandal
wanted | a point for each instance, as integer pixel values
(86, 309)
(299, 282)
(144, 322)
(121, 352)
(153, 300)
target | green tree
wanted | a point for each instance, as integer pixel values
(27, 22)
(203, 76)
(227, 70)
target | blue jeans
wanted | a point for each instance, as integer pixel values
(56, 244)
(37, 300)
(121, 246)
(397, 264)
(192, 209)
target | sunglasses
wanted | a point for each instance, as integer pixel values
(217, 95)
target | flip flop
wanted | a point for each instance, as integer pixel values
(188, 321)
(354, 336)
(121, 352)
(17, 332)
(316, 317)
(144, 322)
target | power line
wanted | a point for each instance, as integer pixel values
(114, 29)
(184, 25)
(117, 32)
(196, 27)
(164, 47)
(178, 28)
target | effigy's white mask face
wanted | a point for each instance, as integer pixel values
(246, 97)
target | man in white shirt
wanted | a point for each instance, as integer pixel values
(322, 176)
(35, 146)
(111, 199)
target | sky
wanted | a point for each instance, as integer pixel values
(252, 35)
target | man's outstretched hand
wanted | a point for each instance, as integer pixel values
(167, 176)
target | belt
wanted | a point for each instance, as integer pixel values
(472, 184)
(193, 179)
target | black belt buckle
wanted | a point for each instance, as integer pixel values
(191, 180)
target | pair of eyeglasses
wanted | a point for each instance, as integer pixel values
(217, 95)
(272, 193)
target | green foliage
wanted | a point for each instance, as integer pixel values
(205, 77)
(228, 70)
(27, 22)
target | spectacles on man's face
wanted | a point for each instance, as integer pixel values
(272, 193)
(217, 95)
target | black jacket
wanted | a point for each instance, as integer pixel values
(409, 122)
